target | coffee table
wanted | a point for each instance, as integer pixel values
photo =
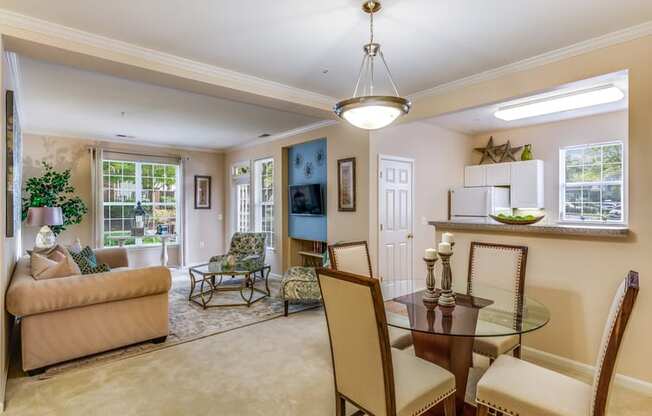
(218, 277)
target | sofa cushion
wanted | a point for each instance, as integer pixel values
(28, 296)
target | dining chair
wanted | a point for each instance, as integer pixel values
(368, 373)
(501, 266)
(353, 257)
(516, 387)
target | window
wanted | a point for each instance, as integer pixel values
(592, 185)
(264, 201)
(125, 184)
(242, 196)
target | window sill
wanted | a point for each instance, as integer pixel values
(147, 247)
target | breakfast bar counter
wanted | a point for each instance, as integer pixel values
(549, 229)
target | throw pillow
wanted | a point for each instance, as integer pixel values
(90, 255)
(87, 267)
(58, 263)
(75, 247)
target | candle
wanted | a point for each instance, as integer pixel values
(448, 238)
(431, 254)
(445, 248)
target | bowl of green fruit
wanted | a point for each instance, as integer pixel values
(517, 219)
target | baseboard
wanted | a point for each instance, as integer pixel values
(275, 275)
(567, 364)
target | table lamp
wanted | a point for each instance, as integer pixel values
(44, 217)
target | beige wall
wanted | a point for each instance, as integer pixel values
(8, 246)
(342, 141)
(203, 226)
(440, 156)
(547, 139)
(577, 278)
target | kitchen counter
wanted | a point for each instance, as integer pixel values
(549, 229)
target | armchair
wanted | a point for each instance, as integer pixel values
(245, 245)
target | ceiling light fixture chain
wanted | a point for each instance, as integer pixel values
(369, 111)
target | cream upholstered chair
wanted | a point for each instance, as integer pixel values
(354, 258)
(516, 387)
(500, 266)
(377, 379)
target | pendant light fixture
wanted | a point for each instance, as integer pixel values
(366, 110)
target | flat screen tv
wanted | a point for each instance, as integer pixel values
(306, 200)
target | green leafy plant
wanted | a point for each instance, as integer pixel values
(53, 189)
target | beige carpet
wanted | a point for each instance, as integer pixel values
(278, 367)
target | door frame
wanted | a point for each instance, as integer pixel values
(412, 162)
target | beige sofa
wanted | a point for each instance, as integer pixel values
(71, 317)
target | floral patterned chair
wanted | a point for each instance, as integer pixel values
(299, 284)
(245, 246)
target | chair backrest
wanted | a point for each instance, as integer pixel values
(621, 309)
(248, 244)
(351, 258)
(501, 266)
(362, 362)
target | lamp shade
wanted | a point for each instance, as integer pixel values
(39, 216)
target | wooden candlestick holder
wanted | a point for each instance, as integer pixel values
(446, 296)
(430, 295)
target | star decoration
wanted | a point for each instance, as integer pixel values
(509, 152)
(490, 151)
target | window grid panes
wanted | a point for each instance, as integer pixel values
(592, 183)
(264, 214)
(128, 182)
(242, 203)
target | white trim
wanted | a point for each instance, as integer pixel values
(609, 39)
(127, 142)
(568, 365)
(218, 75)
(412, 163)
(283, 135)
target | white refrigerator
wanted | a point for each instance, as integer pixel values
(475, 204)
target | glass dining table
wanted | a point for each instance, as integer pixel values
(445, 335)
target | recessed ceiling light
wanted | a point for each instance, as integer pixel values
(572, 101)
(124, 136)
(325, 71)
(264, 135)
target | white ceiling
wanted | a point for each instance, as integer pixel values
(427, 42)
(61, 100)
(479, 120)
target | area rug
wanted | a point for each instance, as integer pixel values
(189, 322)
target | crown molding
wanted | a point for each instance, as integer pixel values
(580, 48)
(123, 142)
(283, 135)
(217, 75)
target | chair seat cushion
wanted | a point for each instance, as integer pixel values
(419, 384)
(494, 346)
(300, 284)
(399, 338)
(517, 387)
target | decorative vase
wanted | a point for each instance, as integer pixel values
(527, 153)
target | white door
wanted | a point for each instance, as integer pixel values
(395, 255)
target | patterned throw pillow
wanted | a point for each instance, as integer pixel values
(90, 256)
(86, 266)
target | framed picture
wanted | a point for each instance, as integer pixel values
(346, 184)
(13, 154)
(202, 192)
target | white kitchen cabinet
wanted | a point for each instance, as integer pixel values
(475, 176)
(526, 184)
(498, 174)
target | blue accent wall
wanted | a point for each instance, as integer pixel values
(299, 226)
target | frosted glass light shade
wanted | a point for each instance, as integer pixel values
(372, 112)
(557, 104)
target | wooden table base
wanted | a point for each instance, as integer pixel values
(452, 353)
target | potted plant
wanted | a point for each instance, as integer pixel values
(53, 189)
